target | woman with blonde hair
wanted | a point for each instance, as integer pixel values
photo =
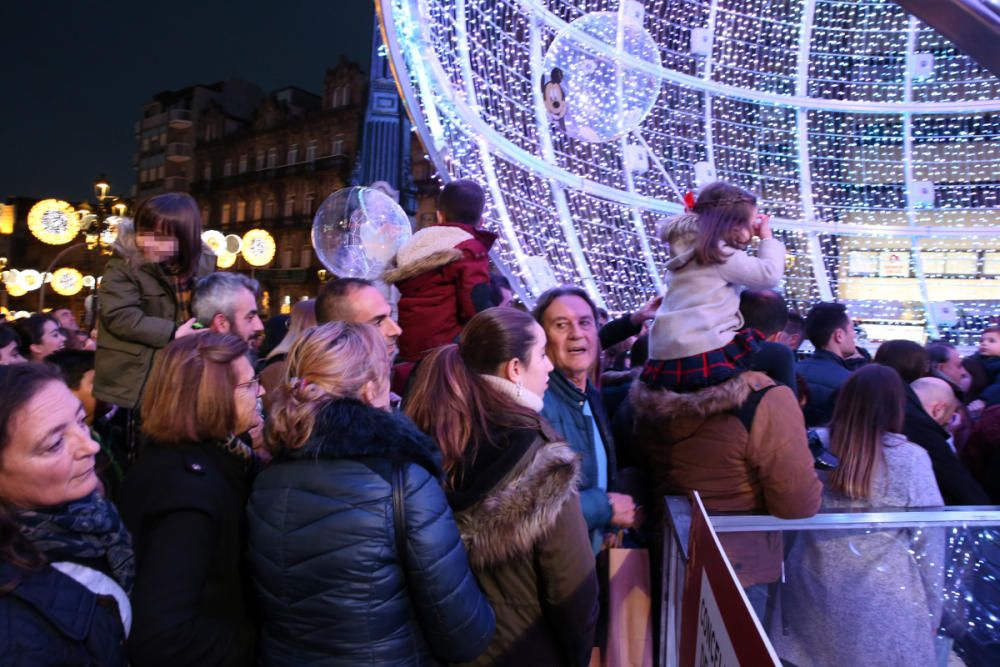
(866, 597)
(355, 555)
(184, 502)
(512, 483)
(273, 370)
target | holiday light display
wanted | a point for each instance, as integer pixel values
(53, 221)
(66, 281)
(258, 247)
(872, 141)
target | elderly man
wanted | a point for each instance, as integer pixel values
(573, 406)
(227, 303)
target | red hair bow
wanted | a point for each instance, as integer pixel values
(689, 201)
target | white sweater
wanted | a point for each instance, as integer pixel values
(701, 309)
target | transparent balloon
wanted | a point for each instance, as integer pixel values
(597, 99)
(357, 231)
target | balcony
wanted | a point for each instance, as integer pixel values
(178, 152)
(175, 183)
(179, 119)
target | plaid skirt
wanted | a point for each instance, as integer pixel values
(706, 369)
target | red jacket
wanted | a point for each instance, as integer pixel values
(443, 275)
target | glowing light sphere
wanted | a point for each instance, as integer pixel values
(357, 231)
(258, 247)
(597, 98)
(881, 179)
(89, 282)
(214, 239)
(225, 260)
(53, 221)
(30, 279)
(66, 281)
(15, 289)
(234, 244)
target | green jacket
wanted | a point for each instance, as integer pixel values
(137, 316)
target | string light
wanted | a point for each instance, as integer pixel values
(881, 177)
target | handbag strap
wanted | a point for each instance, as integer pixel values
(399, 512)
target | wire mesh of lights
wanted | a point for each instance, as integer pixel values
(872, 140)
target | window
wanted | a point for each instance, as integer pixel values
(160, 171)
(145, 144)
(293, 154)
(269, 209)
(290, 206)
(307, 205)
(260, 159)
(211, 132)
(227, 168)
(204, 215)
(227, 209)
(243, 163)
(241, 211)
(340, 95)
(338, 145)
(206, 172)
(258, 209)
(272, 158)
(311, 151)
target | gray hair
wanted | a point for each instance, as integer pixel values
(216, 293)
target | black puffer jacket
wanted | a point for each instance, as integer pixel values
(323, 554)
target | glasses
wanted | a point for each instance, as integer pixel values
(253, 384)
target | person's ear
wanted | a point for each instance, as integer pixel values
(512, 370)
(440, 218)
(220, 324)
(368, 393)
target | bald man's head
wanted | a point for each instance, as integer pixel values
(937, 397)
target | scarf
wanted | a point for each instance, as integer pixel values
(85, 529)
(517, 392)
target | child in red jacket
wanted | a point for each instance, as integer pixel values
(443, 272)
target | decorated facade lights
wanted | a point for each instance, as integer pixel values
(258, 247)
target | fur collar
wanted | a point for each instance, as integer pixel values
(347, 429)
(430, 248)
(661, 404)
(513, 516)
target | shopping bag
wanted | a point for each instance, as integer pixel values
(629, 641)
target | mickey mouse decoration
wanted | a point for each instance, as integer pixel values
(555, 97)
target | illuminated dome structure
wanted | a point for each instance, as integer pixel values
(871, 139)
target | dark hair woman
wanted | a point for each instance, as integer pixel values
(10, 346)
(144, 296)
(40, 336)
(512, 484)
(355, 554)
(867, 585)
(184, 502)
(66, 564)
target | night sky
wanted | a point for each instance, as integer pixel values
(75, 72)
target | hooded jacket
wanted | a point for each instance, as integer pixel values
(331, 585)
(697, 442)
(518, 510)
(138, 314)
(443, 276)
(701, 309)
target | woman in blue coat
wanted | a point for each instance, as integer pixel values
(355, 555)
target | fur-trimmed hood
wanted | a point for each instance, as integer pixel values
(347, 428)
(680, 234)
(430, 248)
(685, 412)
(513, 516)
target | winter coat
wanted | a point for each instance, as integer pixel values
(956, 484)
(48, 619)
(517, 508)
(138, 314)
(697, 442)
(191, 605)
(991, 365)
(331, 585)
(564, 411)
(824, 372)
(981, 455)
(443, 276)
(867, 597)
(701, 309)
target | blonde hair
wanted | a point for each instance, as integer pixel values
(303, 317)
(328, 363)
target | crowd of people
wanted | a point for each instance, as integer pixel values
(340, 488)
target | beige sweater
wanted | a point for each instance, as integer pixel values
(701, 309)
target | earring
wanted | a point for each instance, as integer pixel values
(520, 389)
